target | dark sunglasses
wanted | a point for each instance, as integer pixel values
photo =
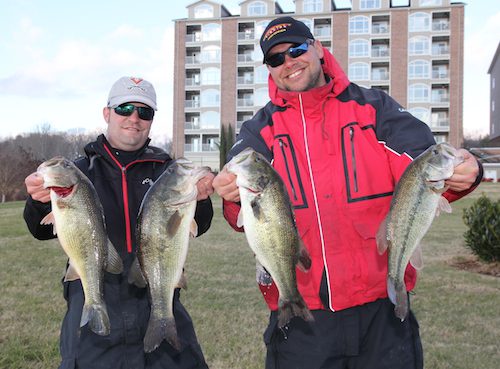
(276, 60)
(126, 110)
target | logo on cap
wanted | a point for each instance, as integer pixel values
(136, 80)
(274, 30)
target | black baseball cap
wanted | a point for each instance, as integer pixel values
(284, 30)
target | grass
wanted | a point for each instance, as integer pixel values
(457, 310)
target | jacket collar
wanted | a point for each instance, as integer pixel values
(337, 83)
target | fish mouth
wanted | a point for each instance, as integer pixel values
(62, 191)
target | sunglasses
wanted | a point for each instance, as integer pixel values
(276, 60)
(126, 110)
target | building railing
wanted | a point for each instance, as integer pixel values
(245, 58)
(438, 74)
(200, 148)
(440, 50)
(245, 102)
(193, 37)
(192, 103)
(246, 35)
(190, 81)
(245, 80)
(380, 52)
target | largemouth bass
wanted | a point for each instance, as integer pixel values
(269, 223)
(78, 220)
(416, 201)
(165, 223)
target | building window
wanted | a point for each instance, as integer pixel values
(210, 76)
(422, 114)
(257, 8)
(259, 28)
(431, 2)
(261, 74)
(210, 54)
(359, 71)
(419, 45)
(369, 4)
(204, 11)
(210, 119)
(211, 32)
(359, 48)
(313, 6)
(418, 69)
(210, 97)
(419, 22)
(418, 92)
(359, 25)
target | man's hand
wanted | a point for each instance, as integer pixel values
(465, 173)
(205, 188)
(34, 186)
(225, 185)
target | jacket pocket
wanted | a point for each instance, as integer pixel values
(285, 162)
(367, 172)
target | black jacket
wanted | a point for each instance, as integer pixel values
(120, 189)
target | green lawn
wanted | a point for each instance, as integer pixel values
(457, 310)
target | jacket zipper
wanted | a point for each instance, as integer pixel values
(282, 146)
(353, 157)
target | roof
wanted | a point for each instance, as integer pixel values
(487, 154)
(495, 57)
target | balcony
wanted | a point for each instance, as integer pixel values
(440, 74)
(380, 28)
(380, 75)
(247, 101)
(192, 59)
(245, 80)
(245, 58)
(193, 81)
(247, 35)
(206, 147)
(322, 31)
(440, 25)
(192, 125)
(440, 125)
(193, 37)
(380, 52)
(438, 50)
(192, 104)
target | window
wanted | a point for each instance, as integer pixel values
(210, 76)
(359, 71)
(418, 69)
(419, 45)
(313, 6)
(419, 22)
(431, 2)
(257, 8)
(359, 48)
(259, 28)
(261, 74)
(211, 32)
(359, 25)
(421, 113)
(204, 11)
(210, 97)
(418, 92)
(210, 54)
(261, 96)
(369, 4)
(210, 119)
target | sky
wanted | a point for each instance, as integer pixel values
(59, 59)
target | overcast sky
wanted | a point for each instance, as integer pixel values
(59, 59)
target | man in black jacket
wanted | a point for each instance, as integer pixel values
(122, 166)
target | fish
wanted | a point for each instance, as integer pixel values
(269, 224)
(78, 220)
(165, 224)
(417, 199)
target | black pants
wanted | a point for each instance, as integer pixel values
(362, 337)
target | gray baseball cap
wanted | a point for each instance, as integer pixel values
(132, 89)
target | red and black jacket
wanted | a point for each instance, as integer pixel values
(340, 150)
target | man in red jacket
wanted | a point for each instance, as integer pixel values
(340, 150)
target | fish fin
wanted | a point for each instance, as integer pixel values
(158, 330)
(416, 259)
(182, 282)
(256, 208)
(96, 316)
(71, 273)
(115, 264)
(194, 229)
(381, 237)
(287, 309)
(240, 222)
(173, 223)
(304, 262)
(135, 275)
(262, 275)
(399, 297)
(50, 219)
(444, 205)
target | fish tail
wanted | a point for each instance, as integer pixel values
(96, 315)
(158, 330)
(293, 308)
(399, 297)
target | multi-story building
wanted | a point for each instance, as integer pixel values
(413, 52)
(494, 72)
